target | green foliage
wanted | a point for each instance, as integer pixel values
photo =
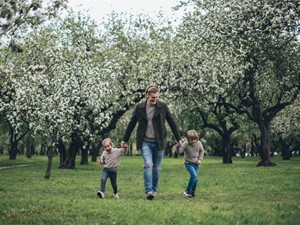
(239, 193)
(247, 53)
(23, 14)
(75, 76)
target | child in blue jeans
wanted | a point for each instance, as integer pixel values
(193, 156)
(111, 163)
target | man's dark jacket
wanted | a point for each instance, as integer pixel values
(161, 114)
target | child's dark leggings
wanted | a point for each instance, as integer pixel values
(113, 179)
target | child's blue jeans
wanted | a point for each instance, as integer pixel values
(113, 179)
(192, 168)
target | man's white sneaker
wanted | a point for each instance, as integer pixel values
(150, 196)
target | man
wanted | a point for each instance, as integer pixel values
(151, 136)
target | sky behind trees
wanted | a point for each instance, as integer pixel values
(101, 8)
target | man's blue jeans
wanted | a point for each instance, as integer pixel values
(152, 156)
(192, 168)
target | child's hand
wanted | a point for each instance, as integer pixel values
(124, 151)
(198, 162)
(98, 162)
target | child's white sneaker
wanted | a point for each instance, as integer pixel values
(187, 194)
(116, 196)
(100, 194)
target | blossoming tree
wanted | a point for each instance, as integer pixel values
(247, 52)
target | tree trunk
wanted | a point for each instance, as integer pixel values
(130, 149)
(84, 156)
(95, 151)
(62, 152)
(21, 147)
(32, 149)
(285, 149)
(75, 145)
(227, 149)
(1, 149)
(227, 156)
(69, 163)
(252, 148)
(168, 150)
(28, 149)
(243, 151)
(265, 144)
(13, 146)
(50, 159)
(176, 153)
(43, 148)
(254, 145)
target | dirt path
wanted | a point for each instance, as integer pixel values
(15, 166)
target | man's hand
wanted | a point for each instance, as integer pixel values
(180, 143)
(124, 144)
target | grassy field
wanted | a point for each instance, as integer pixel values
(240, 193)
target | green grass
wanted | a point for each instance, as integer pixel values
(240, 193)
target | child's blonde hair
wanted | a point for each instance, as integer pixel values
(192, 134)
(107, 140)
